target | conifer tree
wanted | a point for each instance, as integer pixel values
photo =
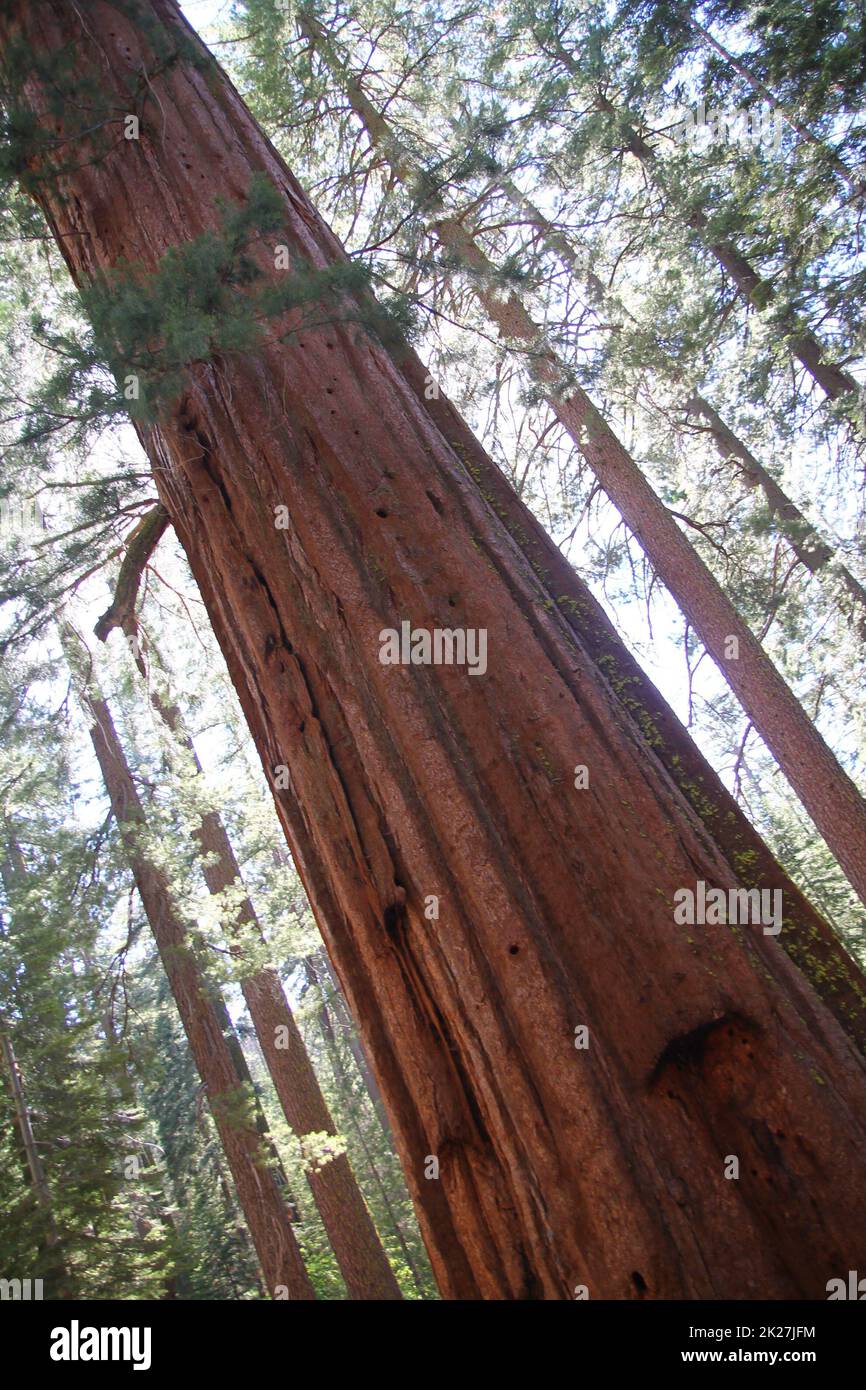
(227, 1085)
(68, 1215)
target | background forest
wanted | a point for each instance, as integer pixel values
(661, 204)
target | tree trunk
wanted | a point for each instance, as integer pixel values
(336, 1001)
(536, 1165)
(825, 789)
(812, 549)
(332, 1047)
(349, 1226)
(56, 1273)
(806, 135)
(262, 1202)
(245, 1077)
(803, 345)
(14, 875)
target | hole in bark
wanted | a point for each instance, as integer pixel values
(686, 1052)
(380, 511)
(639, 1281)
(329, 390)
(513, 950)
(452, 601)
(437, 505)
(302, 726)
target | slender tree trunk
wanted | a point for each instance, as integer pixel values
(56, 1272)
(806, 135)
(349, 1226)
(802, 344)
(260, 1197)
(332, 1047)
(245, 1246)
(479, 906)
(334, 1001)
(25, 1130)
(130, 1098)
(829, 795)
(812, 549)
(14, 874)
(245, 1076)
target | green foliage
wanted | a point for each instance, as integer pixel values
(211, 297)
(84, 1113)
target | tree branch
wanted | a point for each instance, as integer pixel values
(142, 542)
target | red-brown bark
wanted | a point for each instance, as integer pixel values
(557, 1166)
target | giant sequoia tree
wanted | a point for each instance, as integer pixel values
(827, 792)
(492, 855)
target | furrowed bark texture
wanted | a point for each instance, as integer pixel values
(557, 1166)
(263, 1205)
